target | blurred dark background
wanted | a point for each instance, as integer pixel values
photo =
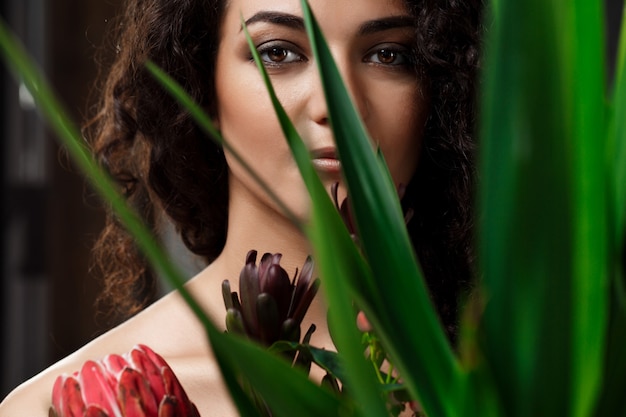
(48, 221)
(49, 217)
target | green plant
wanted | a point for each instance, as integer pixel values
(547, 334)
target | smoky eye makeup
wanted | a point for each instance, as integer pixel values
(278, 46)
(386, 43)
(390, 54)
(276, 53)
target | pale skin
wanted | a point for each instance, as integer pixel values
(371, 44)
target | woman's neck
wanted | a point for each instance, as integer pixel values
(255, 225)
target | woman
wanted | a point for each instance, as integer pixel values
(410, 68)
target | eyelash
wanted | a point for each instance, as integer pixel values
(404, 55)
(291, 57)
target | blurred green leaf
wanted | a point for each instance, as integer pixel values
(612, 401)
(584, 60)
(617, 139)
(326, 359)
(543, 206)
(526, 239)
(287, 391)
(482, 399)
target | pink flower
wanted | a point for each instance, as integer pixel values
(138, 384)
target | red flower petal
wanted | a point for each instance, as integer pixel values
(362, 323)
(96, 388)
(72, 404)
(154, 357)
(114, 364)
(57, 392)
(150, 371)
(95, 411)
(169, 407)
(174, 389)
(135, 396)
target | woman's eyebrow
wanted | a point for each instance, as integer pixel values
(277, 18)
(386, 23)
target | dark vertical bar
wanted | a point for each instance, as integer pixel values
(4, 80)
(614, 11)
(24, 190)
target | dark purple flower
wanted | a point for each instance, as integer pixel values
(272, 306)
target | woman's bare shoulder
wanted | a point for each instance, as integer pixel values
(168, 327)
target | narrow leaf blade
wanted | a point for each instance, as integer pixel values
(418, 347)
(338, 262)
(541, 172)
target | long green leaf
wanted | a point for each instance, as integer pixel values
(418, 347)
(586, 65)
(617, 149)
(336, 255)
(287, 391)
(526, 214)
(612, 400)
(541, 171)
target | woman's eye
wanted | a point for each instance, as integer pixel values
(388, 56)
(273, 54)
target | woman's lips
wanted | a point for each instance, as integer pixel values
(327, 165)
(325, 160)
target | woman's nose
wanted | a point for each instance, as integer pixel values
(356, 91)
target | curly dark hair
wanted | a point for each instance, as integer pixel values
(166, 165)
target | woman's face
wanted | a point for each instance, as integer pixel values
(372, 43)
